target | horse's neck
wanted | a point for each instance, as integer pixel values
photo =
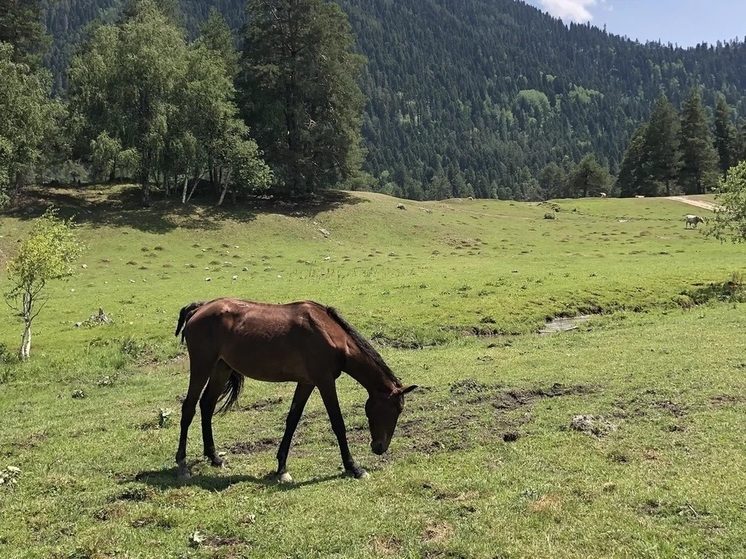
(369, 374)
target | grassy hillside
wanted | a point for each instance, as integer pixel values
(661, 477)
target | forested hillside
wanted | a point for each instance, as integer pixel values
(478, 96)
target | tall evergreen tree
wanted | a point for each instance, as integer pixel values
(216, 36)
(21, 26)
(300, 91)
(633, 177)
(699, 170)
(726, 135)
(662, 149)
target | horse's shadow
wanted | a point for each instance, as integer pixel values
(166, 478)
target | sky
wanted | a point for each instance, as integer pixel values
(682, 22)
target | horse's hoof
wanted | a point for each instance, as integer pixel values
(217, 462)
(285, 478)
(359, 473)
(183, 474)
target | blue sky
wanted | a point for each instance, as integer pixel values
(684, 22)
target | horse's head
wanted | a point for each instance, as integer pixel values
(383, 413)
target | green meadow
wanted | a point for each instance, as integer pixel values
(489, 459)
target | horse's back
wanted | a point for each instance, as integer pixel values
(266, 341)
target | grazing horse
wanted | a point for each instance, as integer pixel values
(306, 343)
(691, 221)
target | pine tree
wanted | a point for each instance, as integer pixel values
(699, 170)
(633, 177)
(300, 91)
(20, 25)
(216, 36)
(726, 135)
(663, 157)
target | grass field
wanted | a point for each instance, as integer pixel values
(453, 293)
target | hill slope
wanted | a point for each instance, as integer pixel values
(484, 93)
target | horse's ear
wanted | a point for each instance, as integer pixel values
(407, 390)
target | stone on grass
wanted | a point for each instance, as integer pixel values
(592, 425)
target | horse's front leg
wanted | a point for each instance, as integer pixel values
(331, 402)
(302, 393)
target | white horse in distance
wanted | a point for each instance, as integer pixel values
(691, 221)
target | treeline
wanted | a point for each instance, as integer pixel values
(674, 153)
(489, 98)
(143, 102)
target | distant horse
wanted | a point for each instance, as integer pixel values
(306, 343)
(691, 221)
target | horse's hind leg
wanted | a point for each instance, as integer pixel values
(302, 393)
(207, 404)
(198, 377)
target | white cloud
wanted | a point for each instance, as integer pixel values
(573, 10)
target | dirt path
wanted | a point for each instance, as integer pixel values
(692, 202)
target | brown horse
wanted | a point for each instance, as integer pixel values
(306, 343)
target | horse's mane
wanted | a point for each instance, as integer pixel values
(364, 345)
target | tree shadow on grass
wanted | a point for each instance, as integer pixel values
(120, 206)
(167, 479)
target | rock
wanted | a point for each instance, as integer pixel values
(324, 232)
(208, 279)
(234, 278)
(592, 425)
(196, 538)
(78, 394)
(401, 207)
(84, 266)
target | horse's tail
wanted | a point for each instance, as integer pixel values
(184, 315)
(231, 392)
(361, 342)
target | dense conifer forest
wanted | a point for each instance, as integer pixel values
(490, 98)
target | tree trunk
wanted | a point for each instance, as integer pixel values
(222, 195)
(25, 350)
(26, 342)
(145, 187)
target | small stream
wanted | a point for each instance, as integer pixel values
(564, 324)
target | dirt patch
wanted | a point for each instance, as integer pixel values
(397, 343)
(677, 410)
(727, 400)
(136, 494)
(264, 403)
(512, 399)
(469, 386)
(437, 532)
(251, 447)
(387, 546)
(545, 503)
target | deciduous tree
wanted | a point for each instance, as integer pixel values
(47, 254)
